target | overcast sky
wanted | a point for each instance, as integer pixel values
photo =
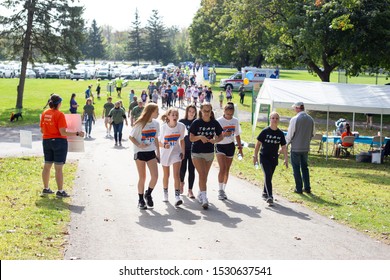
(120, 13)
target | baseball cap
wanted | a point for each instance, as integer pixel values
(298, 105)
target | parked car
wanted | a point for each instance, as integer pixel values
(52, 74)
(39, 72)
(170, 67)
(103, 74)
(30, 74)
(80, 75)
(148, 74)
(6, 71)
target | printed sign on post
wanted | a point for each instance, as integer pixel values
(75, 143)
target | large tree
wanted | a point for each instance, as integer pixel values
(327, 34)
(134, 44)
(95, 42)
(51, 27)
(158, 48)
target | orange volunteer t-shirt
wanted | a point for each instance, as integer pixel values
(51, 122)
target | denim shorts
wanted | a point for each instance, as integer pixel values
(205, 156)
(55, 150)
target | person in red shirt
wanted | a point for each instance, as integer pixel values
(55, 145)
(180, 92)
(347, 132)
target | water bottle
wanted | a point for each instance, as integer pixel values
(239, 156)
(257, 165)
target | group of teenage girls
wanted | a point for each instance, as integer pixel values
(182, 145)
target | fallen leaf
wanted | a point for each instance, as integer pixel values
(297, 238)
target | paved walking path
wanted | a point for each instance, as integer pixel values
(106, 224)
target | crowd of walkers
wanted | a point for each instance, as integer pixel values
(181, 146)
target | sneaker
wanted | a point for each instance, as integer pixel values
(270, 200)
(62, 194)
(47, 191)
(264, 196)
(205, 203)
(178, 201)
(298, 192)
(149, 200)
(222, 195)
(307, 191)
(120, 144)
(165, 196)
(116, 144)
(199, 198)
(142, 205)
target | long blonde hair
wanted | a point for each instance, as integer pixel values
(146, 114)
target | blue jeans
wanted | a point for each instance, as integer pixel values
(118, 127)
(88, 124)
(298, 163)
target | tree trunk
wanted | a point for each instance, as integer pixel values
(323, 74)
(26, 53)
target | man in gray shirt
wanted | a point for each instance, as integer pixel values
(300, 132)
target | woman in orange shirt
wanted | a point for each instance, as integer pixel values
(55, 144)
(347, 132)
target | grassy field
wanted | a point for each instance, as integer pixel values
(31, 227)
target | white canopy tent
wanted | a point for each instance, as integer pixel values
(328, 97)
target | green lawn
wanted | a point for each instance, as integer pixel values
(31, 227)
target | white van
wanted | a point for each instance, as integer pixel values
(235, 81)
(6, 71)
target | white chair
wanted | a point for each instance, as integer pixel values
(376, 143)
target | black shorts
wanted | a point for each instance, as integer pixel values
(145, 156)
(226, 149)
(55, 150)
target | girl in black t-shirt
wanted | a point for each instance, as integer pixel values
(269, 140)
(204, 133)
(190, 116)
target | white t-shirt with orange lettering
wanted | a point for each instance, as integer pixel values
(171, 136)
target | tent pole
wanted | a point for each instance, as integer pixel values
(353, 121)
(327, 132)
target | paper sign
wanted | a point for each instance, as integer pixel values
(26, 139)
(75, 143)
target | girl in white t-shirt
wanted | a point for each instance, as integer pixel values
(172, 150)
(144, 136)
(225, 149)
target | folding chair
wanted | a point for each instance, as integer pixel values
(318, 137)
(344, 149)
(376, 143)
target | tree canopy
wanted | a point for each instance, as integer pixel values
(322, 34)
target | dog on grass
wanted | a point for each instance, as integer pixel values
(15, 117)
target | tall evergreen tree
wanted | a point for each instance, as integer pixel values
(158, 47)
(95, 42)
(134, 44)
(52, 27)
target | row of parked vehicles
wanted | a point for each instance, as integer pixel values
(85, 71)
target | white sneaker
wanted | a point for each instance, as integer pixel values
(178, 201)
(165, 196)
(200, 197)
